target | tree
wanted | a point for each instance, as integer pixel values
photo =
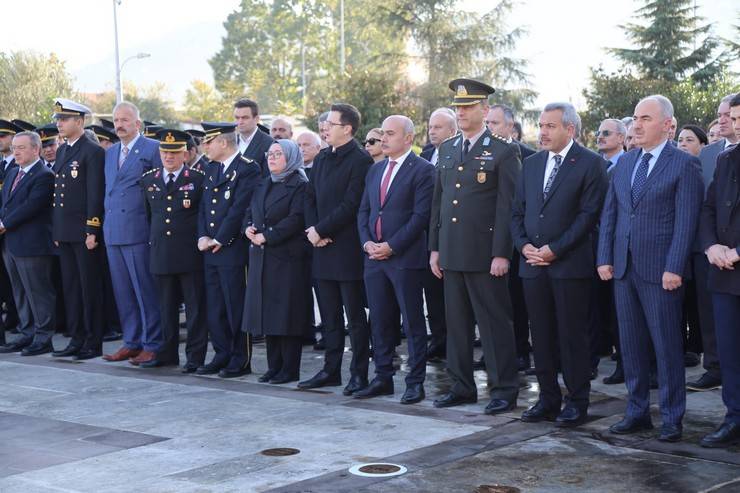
(204, 103)
(151, 100)
(29, 83)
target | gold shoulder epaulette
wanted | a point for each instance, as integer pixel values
(502, 139)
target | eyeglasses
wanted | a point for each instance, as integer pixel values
(18, 148)
(334, 124)
(371, 141)
(604, 133)
(274, 155)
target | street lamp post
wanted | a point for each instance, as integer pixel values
(119, 90)
(138, 56)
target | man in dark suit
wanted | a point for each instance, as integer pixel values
(25, 221)
(227, 192)
(77, 230)
(647, 225)
(7, 130)
(557, 204)
(173, 196)
(310, 145)
(500, 121)
(720, 239)
(253, 142)
(332, 199)
(392, 221)
(470, 243)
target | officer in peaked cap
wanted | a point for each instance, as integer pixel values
(196, 158)
(106, 136)
(151, 129)
(470, 243)
(26, 126)
(49, 143)
(8, 130)
(105, 123)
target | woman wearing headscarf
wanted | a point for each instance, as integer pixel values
(275, 300)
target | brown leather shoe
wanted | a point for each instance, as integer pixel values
(122, 354)
(142, 357)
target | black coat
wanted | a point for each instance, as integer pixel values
(525, 151)
(332, 200)
(257, 148)
(79, 191)
(173, 221)
(275, 302)
(720, 219)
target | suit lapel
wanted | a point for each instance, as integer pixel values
(34, 169)
(540, 178)
(663, 159)
(404, 170)
(70, 153)
(569, 161)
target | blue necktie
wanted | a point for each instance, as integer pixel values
(550, 179)
(640, 176)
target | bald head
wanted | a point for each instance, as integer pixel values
(281, 128)
(442, 126)
(310, 145)
(398, 135)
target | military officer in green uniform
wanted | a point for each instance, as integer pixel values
(470, 243)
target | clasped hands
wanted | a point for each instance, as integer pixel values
(208, 243)
(539, 257)
(315, 239)
(377, 251)
(722, 256)
(256, 238)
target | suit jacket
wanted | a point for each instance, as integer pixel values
(720, 219)
(26, 212)
(79, 189)
(332, 199)
(657, 231)
(708, 158)
(427, 152)
(125, 210)
(525, 150)
(173, 218)
(4, 170)
(565, 220)
(223, 207)
(257, 148)
(405, 212)
(471, 206)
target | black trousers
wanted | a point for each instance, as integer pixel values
(60, 318)
(705, 306)
(434, 295)
(112, 320)
(560, 321)
(225, 287)
(519, 309)
(6, 296)
(191, 286)
(284, 355)
(82, 278)
(333, 297)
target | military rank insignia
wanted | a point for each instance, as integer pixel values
(186, 203)
(227, 194)
(74, 169)
(481, 177)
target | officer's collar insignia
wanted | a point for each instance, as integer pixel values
(456, 142)
(486, 141)
(461, 91)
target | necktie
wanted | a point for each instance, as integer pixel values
(220, 171)
(170, 182)
(383, 192)
(558, 159)
(50, 164)
(640, 176)
(18, 177)
(466, 148)
(122, 158)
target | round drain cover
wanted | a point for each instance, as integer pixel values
(280, 452)
(496, 488)
(377, 470)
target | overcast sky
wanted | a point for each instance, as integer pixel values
(564, 38)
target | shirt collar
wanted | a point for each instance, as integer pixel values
(28, 167)
(176, 172)
(247, 140)
(475, 137)
(655, 151)
(131, 144)
(728, 144)
(564, 152)
(70, 143)
(228, 162)
(401, 159)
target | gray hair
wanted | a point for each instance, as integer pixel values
(33, 136)
(312, 135)
(130, 106)
(621, 127)
(408, 125)
(627, 121)
(666, 107)
(506, 110)
(727, 99)
(285, 120)
(323, 117)
(448, 113)
(230, 139)
(570, 115)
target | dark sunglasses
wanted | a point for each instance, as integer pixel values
(372, 142)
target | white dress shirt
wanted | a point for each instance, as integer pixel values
(551, 161)
(245, 141)
(399, 163)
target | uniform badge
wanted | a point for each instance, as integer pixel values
(73, 171)
(481, 177)
(227, 194)
(186, 203)
(150, 189)
(486, 141)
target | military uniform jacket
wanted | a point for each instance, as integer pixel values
(471, 207)
(79, 191)
(223, 207)
(4, 169)
(201, 164)
(173, 219)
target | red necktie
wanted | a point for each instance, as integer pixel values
(18, 177)
(383, 192)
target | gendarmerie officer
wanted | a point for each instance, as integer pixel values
(173, 196)
(470, 244)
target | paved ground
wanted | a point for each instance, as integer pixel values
(94, 426)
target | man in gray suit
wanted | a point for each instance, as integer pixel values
(711, 379)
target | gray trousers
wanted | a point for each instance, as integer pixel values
(34, 295)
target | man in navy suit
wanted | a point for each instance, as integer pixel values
(25, 221)
(253, 142)
(392, 221)
(126, 231)
(647, 226)
(557, 204)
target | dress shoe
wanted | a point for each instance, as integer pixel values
(84, 354)
(321, 379)
(594, 373)
(436, 351)
(498, 406)
(631, 425)
(112, 336)
(122, 354)
(540, 412)
(37, 348)
(378, 387)
(235, 372)
(727, 434)
(70, 350)
(152, 363)
(142, 357)
(355, 384)
(480, 364)
(267, 376)
(616, 377)
(705, 382)
(451, 399)
(282, 378)
(522, 363)
(691, 359)
(570, 417)
(414, 393)
(15, 347)
(189, 368)
(670, 433)
(211, 368)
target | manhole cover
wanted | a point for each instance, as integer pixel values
(496, 488)
(377, 470)
(280, 452)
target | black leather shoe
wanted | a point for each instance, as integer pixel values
(84, 354)
(436, 351)
(36, 349)
(480, 364)
(616, 377)
(355, 384)
(540, 412)
(498, 406)
(189, 368)
(377, 387)
(15, 347)
(152, 363)
(571, 417)
(631, 425)
(267, 376)
(522, 363)
(112, 336)
(70, 350)
(321, 379)
(691, 359)
(704, 382)
(414, 393)
(211, 368)
(235, 372)
(451, 399)
(670, 433)
(727, 434)
(282, 378)
(594, 373)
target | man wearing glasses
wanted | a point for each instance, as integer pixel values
(610, 141)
